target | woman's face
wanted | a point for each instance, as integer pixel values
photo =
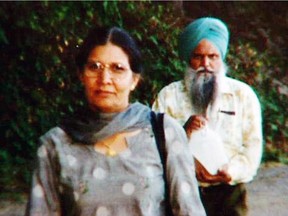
(108, 79)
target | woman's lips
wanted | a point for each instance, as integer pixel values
(104, 92)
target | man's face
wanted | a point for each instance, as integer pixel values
(204, 75)
(206, 55)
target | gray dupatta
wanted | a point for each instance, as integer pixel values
(89, 127)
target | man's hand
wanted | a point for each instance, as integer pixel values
(195, 122)
(204, 176)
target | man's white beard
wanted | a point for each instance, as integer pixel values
(203, 87)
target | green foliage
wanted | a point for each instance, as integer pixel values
(258, 69)
(39, 83)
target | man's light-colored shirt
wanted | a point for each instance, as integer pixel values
(236, 118)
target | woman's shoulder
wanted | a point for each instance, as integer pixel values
(172, 126)
(175, 137)
(54, 135)
(169, 120)
(52, 132)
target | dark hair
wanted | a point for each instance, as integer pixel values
(117, 36)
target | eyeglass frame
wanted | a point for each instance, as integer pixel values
(95, 73)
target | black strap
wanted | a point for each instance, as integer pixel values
(157, 121)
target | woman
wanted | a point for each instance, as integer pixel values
(104, 160)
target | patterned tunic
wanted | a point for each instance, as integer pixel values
(236, 118)
(74, 179)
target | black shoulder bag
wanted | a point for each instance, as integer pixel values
(157, 120)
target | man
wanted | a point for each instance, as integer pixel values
(206, 98)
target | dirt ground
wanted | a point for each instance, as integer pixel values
(267, 194)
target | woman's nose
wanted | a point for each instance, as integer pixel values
(106, 76)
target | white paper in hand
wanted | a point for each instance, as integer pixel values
(207, 147)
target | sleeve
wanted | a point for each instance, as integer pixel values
(184, 191)
(244, 165)
(44, 195)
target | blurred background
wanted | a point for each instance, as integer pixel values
(39, 85)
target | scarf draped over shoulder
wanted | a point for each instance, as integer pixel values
(88, 127)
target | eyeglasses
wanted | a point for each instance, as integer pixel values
(95, 69)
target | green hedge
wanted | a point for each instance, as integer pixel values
(39, 83)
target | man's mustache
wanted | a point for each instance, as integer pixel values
(205, 71)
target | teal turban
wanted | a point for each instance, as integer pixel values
(208, 28)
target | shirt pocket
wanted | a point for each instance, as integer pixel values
(227, 125)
